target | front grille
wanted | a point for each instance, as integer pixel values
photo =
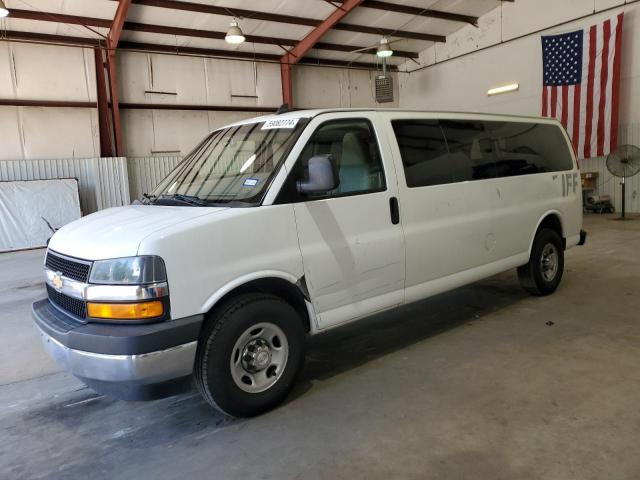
(69, 304)
(74, 269)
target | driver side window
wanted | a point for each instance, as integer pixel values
(354, 153)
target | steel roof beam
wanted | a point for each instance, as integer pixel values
(60, 18)
(289, 19)
(172, 49)
(417, 11)
(184, 32)
(288, 42)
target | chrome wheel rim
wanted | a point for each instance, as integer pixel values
(259, 357)
(549, 262)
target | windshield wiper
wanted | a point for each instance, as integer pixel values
(231, 203)
(186, 199)
(148, 198)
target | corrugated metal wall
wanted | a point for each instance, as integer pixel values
(103, 181)
(610, 185)
(147, 172)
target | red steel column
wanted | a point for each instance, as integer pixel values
(287, 83)
(106, 145)
(296, 53)
(115, 106)
(112, 45)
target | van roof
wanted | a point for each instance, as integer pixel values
(320, 111)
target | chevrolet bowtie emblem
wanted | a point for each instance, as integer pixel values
(57, 281)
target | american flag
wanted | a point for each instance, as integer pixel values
(581, 85)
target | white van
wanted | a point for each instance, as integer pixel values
(288, 225)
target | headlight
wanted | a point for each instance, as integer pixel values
(128, 270)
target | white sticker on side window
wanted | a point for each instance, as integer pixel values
(280, 123)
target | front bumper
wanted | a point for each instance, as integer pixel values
(126, 361)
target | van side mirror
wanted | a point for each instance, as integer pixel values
(322, 175)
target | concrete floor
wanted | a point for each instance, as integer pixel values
(484, 382)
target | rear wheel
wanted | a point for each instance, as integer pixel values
(542, 275)
(250, 354)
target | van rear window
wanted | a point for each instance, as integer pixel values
(436, 152)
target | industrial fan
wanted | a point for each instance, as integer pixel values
(624, 162)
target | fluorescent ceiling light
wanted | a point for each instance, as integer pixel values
(384, 50)
(234, 34)
(512, 87)
(4, 11)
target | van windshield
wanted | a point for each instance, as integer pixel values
(232, 167)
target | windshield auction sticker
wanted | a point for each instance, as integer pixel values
(280, 123)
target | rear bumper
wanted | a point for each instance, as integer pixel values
(126, 361)
(583, 238)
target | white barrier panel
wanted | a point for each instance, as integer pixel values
(103, 181)
(29, 210)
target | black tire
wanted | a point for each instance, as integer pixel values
(535, 278)
(213, 365)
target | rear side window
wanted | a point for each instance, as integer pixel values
(470, 148)
(424, 152)
(437, 152)
(525, 148)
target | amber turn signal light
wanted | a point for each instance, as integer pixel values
(125, 311)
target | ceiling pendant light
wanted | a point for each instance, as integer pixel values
(4, 11)
(384, 50)
(234, 34)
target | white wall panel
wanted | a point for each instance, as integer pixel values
(198, 81)
(220, 119)
(47, 72)
(53, 73)
(602, 4)
(315, 87)
(137, 130)
(171, 132)
(178, 131)
(7, 88)
(269, 86)
(471, 38)
(59, 132)
(45, 132)
(10, 128)
(533, 15)
(133, 76)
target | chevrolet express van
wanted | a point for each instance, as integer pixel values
(289, 225)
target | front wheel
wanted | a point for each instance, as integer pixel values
(542, 275)
(250, 354)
